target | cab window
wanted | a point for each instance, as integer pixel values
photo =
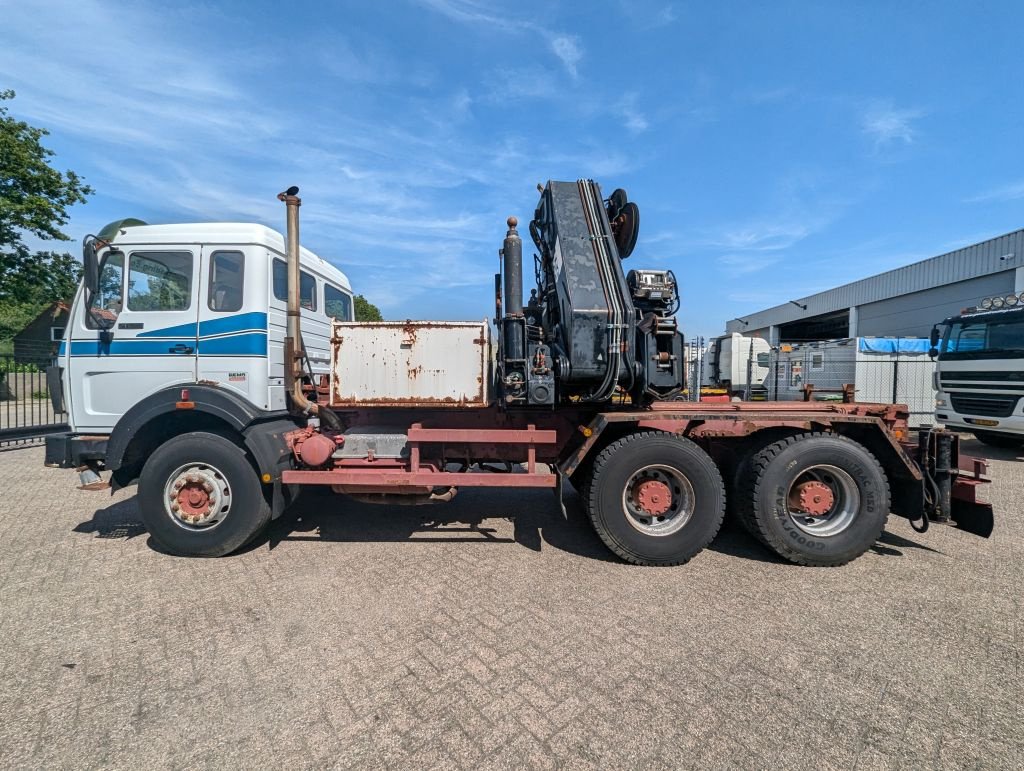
(108, 300)
(307, 286)
(159, 281)
(226, 273)
(337, 304)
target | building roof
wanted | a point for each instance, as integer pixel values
(224, 233)
(992, 256)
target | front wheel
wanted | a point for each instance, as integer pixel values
(816, 499)
(655, 498)
(199, 496)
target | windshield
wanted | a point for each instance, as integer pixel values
(983, 339)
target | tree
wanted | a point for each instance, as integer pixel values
(34, 200)
(366, 310)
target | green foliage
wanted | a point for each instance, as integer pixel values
(15, 315)
(36, 279)
(10, 366)
(366, 310)
(34, 200)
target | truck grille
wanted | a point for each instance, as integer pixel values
(990, 405)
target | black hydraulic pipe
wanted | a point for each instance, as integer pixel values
(512, 257)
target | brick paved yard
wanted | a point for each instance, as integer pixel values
(496, 635)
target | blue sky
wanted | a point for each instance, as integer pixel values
(775, 149)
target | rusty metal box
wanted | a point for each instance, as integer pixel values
(411, 364)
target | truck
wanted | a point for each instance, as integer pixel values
(574, 386)
(736, 363)
(979, 377)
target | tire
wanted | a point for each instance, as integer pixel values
(858, 496)
(236, 510)
(743, 470)
(994, 439)
(660, 469)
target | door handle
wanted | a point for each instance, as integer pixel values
(181, 348)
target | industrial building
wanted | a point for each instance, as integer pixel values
(904, 302)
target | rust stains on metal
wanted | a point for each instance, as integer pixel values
(409, 401)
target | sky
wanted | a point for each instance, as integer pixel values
(774, 149)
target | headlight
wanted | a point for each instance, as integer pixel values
(997, 302)
(940, 402)
(986, 303)
(1021, 297)
(1010, 300)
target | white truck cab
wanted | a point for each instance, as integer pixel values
(980, 371)
(200, 303)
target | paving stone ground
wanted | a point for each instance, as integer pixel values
(493, 633)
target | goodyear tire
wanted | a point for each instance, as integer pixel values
(816, 499)
(655, 498)
(199, 496)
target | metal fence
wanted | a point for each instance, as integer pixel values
(26, 410)
(833, 372)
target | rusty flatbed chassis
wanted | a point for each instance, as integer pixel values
(566, 436)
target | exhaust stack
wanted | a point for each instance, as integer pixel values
(294, 352)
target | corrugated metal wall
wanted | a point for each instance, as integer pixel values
(964, 264)
(912, 315)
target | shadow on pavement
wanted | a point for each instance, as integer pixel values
(535, 517)
(119, 520)
(971, 446)
(321, 516)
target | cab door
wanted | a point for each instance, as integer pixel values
(233, 322)
(147, 296)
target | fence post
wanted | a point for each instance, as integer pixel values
(775, 369)
(896, 373)
(750, 371)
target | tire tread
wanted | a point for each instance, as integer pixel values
(593, 491)
(749, 489)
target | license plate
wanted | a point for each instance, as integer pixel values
(982, 422)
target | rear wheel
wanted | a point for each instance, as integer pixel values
(655, 498)
(199, 496)
(993, 439)
(816, 499)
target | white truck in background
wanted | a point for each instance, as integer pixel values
(734, 362)
(980, 371)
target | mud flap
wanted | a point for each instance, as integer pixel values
(559, 492)
(973, 516)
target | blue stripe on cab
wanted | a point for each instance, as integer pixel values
(236, 322)
(251, 344)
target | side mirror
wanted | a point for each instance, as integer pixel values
(933, 340)
(90, 265)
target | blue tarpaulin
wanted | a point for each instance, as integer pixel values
(894, 345)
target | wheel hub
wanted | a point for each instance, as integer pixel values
(197, 496)
(653, 497)
(813, 498)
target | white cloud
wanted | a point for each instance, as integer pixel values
(743, 264)
(887, 125)
(1011, 192)
(567, 49)
(761, 236)
(648, 15)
